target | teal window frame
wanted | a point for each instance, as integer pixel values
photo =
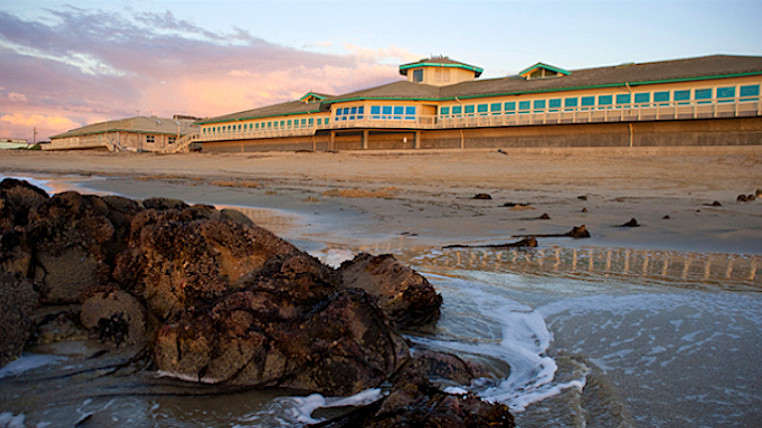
(510, 107)
(398, 112)
(554, 105)
(587, 103)
(702, 96)
(386, 112)
(524, 106)
(375, 112)
(642, 98)
(605, 101)
(662, 98)
(457, 110)
(539, 105)
(495, 108)
(726, 94)
(623, 100)
(410, 112)
(444, 111)
(682, 97)
(418, 75)
(482, 109)
(469, 110)
(748, 92)
(570, 103)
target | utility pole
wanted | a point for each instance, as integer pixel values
(34, 135)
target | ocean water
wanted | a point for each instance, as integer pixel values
(574, 337)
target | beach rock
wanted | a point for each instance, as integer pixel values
(484, 196)
(745, 198)
(179, 258)
(582, 197)
(17, 198)
(631, 223)
(117, 317)
(18, 300)
(160, 203)
(340, 347)
(67, 234)
(714, 204)
(578, 232)
(544, 216)
(758, 193)
(443, 369)
(415, 402)
(405, 295)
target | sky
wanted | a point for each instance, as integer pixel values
(66, 64)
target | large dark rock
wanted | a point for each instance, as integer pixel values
(405, 295)
(68, 234)
(17, 197)
(116, 316)
(18, 300)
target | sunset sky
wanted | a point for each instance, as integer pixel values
(66, 64)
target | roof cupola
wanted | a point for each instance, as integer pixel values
(439, 71)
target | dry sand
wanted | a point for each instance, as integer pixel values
(410, 200)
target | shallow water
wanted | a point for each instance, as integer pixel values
(576, 337)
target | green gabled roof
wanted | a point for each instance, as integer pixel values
(545, 66)
(314, 95)
(138, 124)
(440, 61)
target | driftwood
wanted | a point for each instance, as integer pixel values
(577, 232)
(528, 242)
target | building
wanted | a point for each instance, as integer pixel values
(141, 133)
(442, 104)
(13, 143)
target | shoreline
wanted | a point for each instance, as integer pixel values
(424, 199)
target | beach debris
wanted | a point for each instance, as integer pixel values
(530, 241)
(713, 204)
(666, 217)
(582, 197)
(758, 193)
(745, 198)
(502, 152)
(631, 223)
(584, 210)
(515, 204)
(577, 232)
(544, 216)
(483, 196)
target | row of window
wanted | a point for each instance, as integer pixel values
(269, 125)
(377, 112)
(638, 99)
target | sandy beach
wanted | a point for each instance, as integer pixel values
(426, 199)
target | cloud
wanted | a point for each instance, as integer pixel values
(84, 65)
(17, 125)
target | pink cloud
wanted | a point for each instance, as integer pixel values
(87, 66)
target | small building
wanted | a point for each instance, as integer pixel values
(442, 103)
(141, 133)
(14, 143)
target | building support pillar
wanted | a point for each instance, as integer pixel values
(365, 133)
(332, 141)
(417, 139)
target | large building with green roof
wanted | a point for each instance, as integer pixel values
(442, 103)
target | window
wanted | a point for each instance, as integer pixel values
(604, 101)
(495, 108)
(387, 111)
(725, 94)
(662, 98)
(444, 111)
(171, 140)
(622, 99)
(289, 124)
(683, 96)
(418, 75)
(360, 112)
(470, 110)
(587, 102)
(702, 96)
(325, 122)
(539, 104)
(303, 122)
(398, 112)
(749, 92)
(643, 97)
(150, 139)
(510, 107)
(319, 121)
(409, 112)
(457, 110)
(554, 104)
(352, 113)
(482, 109)
(569, 103)
(282, 122)
(523, 106)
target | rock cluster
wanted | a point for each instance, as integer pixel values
(210, 296)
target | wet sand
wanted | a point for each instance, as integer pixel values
(424, 199)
